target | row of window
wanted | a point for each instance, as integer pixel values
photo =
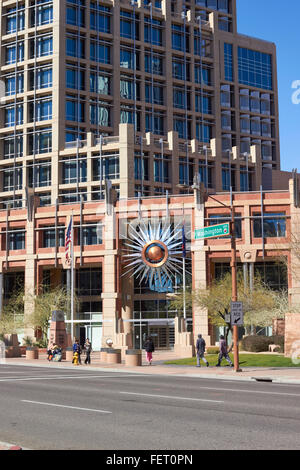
(40, 47)
(91, 235)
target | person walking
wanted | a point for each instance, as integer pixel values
(223, 352)
(77, 349)
(88, 350)
(200, 349)
(149, 348)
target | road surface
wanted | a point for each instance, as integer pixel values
(42, 408)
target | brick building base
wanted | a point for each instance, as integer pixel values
(292, 334)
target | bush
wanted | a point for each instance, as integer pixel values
(256, 343)
(212, 350)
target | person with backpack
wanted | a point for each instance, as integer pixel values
(149, 348)
(200, 349)
(223, 352)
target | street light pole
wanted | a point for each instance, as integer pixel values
(234, 287)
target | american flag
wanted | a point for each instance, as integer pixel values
(183, 242)
(68, 240)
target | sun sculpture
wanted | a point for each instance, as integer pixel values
(155, 252)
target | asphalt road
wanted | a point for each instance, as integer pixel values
(77, 409)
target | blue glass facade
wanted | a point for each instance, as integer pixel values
(255, 69)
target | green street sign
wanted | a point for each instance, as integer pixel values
(222, 230)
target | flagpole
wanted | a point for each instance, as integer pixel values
(184, 279)
(72, 281)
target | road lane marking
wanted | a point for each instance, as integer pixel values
(172, 397)
(249, 391)
(65, 406)
(59, 377)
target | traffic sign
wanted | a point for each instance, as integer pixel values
(213, 231)
(237, 314)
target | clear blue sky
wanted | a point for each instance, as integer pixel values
(278, 22)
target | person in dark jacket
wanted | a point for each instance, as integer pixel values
(88, 350)
(149, 348)
(223, 352)
(200, 349)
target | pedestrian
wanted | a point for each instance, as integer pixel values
(77, 349)
(49, 351)
(149, 348)
(223, 352)
(200, 348)
(88, 350)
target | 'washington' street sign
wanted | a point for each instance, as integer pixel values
(222, 230)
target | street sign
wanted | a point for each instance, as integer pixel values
(237, 314)
(222, 230)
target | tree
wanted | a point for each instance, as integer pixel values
(44, 304)
(12, 318)
(261, 304)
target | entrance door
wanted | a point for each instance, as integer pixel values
(82, 335)
(159, 334)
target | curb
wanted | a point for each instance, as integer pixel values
(273, 379)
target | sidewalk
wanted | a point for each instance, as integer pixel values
(277, 375)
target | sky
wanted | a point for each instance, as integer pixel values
(278, 22)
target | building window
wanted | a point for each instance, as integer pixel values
(100, 83)
(13, 17)
(41, 78)
(228, 62)
(12, 178)
(10, 84)
(40, 174)
(11, 55)
(91, 234)
(100, 18)
(41, 14)
(274, 225)
(129, 59)
(154, 64)
(89, 281)
(14, 115)
(16, 240)
(74, 171)
(153, 32)
(40, 141)
(13, 146)
(100, 114)
(129, 26)
(49, 237)
(110, 167)
(100, 52)
(223, 218)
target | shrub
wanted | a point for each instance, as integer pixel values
(256, 343)
(212, 350)
(41, 343)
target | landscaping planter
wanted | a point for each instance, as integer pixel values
(103, 354)
(113, 356)
(32, 353)
(133, 357)
(23, 350)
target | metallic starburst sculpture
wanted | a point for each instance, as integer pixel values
(155, 253)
